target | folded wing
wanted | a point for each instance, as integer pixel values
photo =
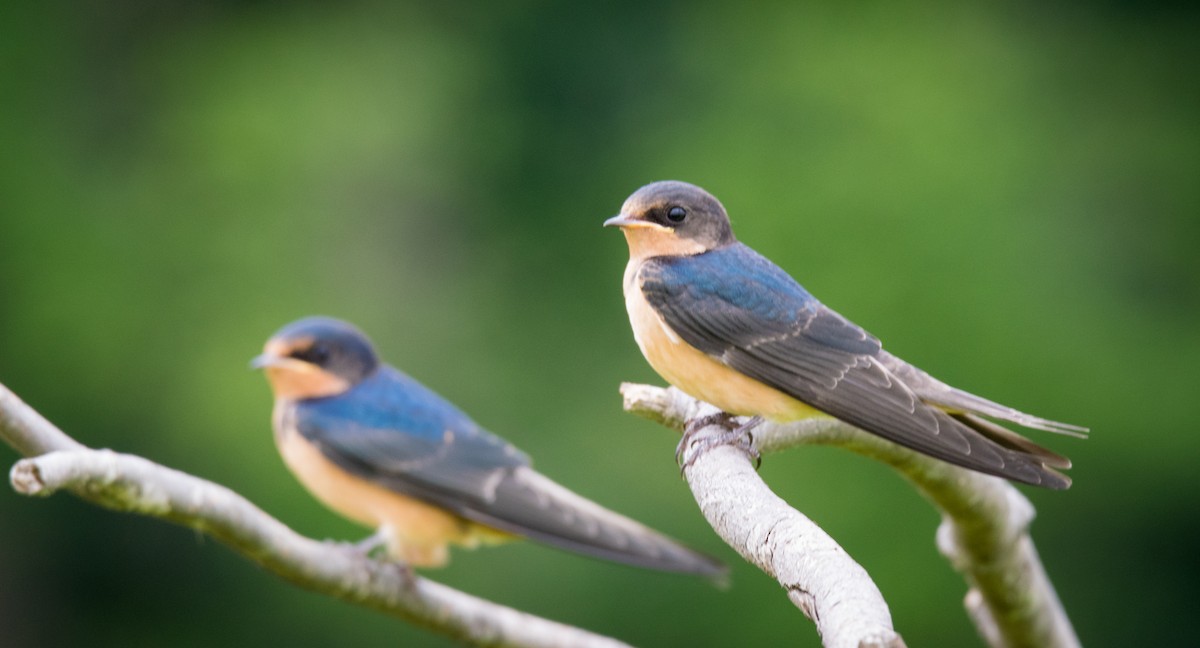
(397, 433)
(744, 311)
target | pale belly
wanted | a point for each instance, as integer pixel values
(699, 375)
(416, 533)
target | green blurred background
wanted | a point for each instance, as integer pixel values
(1007, 194)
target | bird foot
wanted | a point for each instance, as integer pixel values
(373, 548)
(738, 436)
(373, 543)
(366, 547)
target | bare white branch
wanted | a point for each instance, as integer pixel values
(133, 484)
(27, 431)
(819, 577)
(984, 530)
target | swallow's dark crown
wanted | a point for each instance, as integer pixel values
(331, 344)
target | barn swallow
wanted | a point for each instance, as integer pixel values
(729, 327)
(383, 450)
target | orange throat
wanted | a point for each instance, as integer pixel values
(296, 380)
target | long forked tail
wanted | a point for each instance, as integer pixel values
(956, 401)
(1022, 451)
(532, 505)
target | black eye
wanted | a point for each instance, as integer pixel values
(676, 214)
(317, 354)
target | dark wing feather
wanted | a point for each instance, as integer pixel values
(395, 432)
(741, 309)
(392, 426)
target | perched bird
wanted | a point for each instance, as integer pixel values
(383, 450)
(729, 327)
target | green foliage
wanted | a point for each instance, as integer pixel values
(1005, 195)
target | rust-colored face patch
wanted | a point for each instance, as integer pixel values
(293, 378)
(655, 240)
(647, 238)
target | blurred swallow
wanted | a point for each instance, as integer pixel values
(383, 450)
(729, 327)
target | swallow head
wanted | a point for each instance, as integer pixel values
(316, 357)
(672, 218)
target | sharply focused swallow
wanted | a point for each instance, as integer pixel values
(729, 327)
(383, 450)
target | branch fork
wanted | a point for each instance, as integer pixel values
(984, 531)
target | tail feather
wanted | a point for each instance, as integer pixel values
(532, 505)
(956, 401)
(985, 447)
(1013, 441)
